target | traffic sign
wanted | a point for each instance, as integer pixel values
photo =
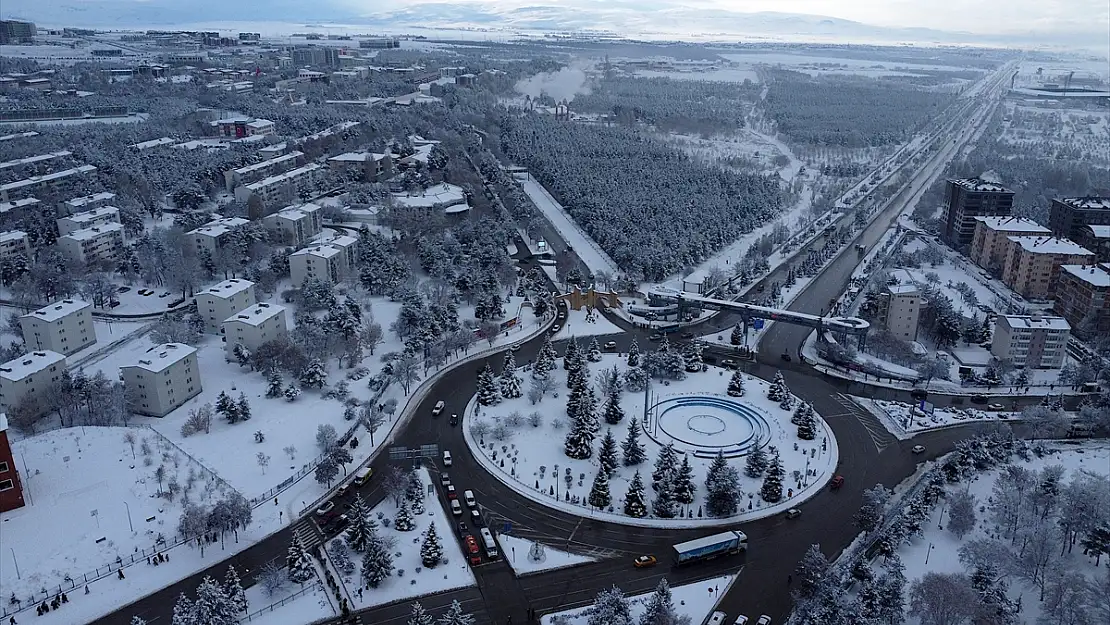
(506, 528)
(757, 324)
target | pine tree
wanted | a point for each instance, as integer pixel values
(771, 491)
(634, 354)
(377, 563)
(664, 505)
(403, 521)
(722, 488)
(362, 528)
(666, 464)
(544, 363)
(787, 401)
(456, 616)
(757, 463)
(570, 355)
(634, 503)
(212, 606)
(276, 386)
(227, 407)
(292, 392)
(737, 337)
(691, 357)
(684, 489)
(233, 588)
(613, 411)
(579, 443)
(807, 427)
(314, 375)
(431, 550)
(574, 397)
(298, 562)
(736, 384)
(799, 413)
(775, 391)
(594, 353)
(611, 607)
(664, 346)
(659, 607)
(510, 385)
(420, 616)
(242, 354)
(244, 407)
(183, 613)
(599, 496)
(632, 452)
(607, 454)
(488, 393)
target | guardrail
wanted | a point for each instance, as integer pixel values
(277, 604)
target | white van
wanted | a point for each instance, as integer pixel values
(488, 543)
(438, 408)
(468, 497)
(363, 476)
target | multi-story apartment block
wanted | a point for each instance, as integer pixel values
(1033, 264)
(276, 188)
(93, 244)
(990, 241)
(96, 217)
(163, 379)
(331, 261)
(1031, 341)
(65, 327)
(17, 31)
(315, 55)
(18, 164)
(968, 198)
(11, 489)
(30, 376)
(1096, 239)
(239, 127)
(54, 181)
(1067, 216)
(253, 173)
(212, 235)
(295, 225)
(254, 326)
(900, 310)
(216, 303)
(85, 203)
(1083, 297)
(13, 243)
(367, 165)
(19, 208)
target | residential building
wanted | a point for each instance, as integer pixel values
(990, 241)
(142, 146)
(1033, 264)
(1067, 216)
(65, 327)
(1031, 341)
(17, 164)
(19, 208)
(86, 203)
(163, 379)
(315, 55)
(900, 309)
(53, 181)
(212, 235)
(367, 165)
(1083, 297)
(29, 376)
(13, 243)
(17, 31)
(254, 326)
(98, 243)
(273, 151)
(96, 217)
(330, 261)
(968, 198)
(276, 188)
(379, 43)
(239, 127)
(11, 489)
(216, 303)
(253, 173)
(1096, 239)
(295, 225)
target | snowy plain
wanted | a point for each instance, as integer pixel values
(690, 600)
(517, 552)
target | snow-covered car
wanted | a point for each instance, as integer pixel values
(514, 347)
(326, 508)
(918, 449)
(610, 345)
(741, 620)
(644, 562)
(793, 513)
(444, 479)
(763, 620)
(555, 328)
(717, 618)
(996, 407)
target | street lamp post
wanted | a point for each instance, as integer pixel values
(129, 524)
(16, 562)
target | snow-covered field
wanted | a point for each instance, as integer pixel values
(107, 331)
(289, 607)
(689, 600)
(904, 420)
(578, 323)
(815, 65)
(539, 472)
(518, 553)
(717, 74)
(584, 246)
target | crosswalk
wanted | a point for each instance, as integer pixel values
(308, 533)
(880, 436)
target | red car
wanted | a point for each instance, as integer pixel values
(837, 482)
(472, 549)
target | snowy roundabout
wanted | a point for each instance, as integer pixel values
(651, 439)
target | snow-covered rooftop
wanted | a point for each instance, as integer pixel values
(228, 288)
(158, 358)
(261, 123)
(257, 314)
(11, 235)
(1100, 232)
(220, 226)
(980, 185)
(1013, 224)
(326, 250)
(297, 211)
(1045, 322)
(1094, 275)
(19, 135)
(903, 289)
(57, 310)
(25, 202)
(57, 175)
(85, 234)
(276, 148)
(153, 143)
(300, 171)
(269, 163)
(28, 364)
(1088, 203)
(1051, 245)
(357, 157)
(78, 202)
(31, 160)
(93, 215)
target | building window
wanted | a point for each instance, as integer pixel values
(6, 485)
(3, 467)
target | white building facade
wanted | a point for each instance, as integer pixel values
(163, 379)
(212, 235)
(98, 243)
(65, 327)
(254, 326)
(295, 225)
(216, 303)
(1031, 341)
(96, 217)
(30, 375)
(331, 261)
(13, 243)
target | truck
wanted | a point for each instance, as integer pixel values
(861, 250)
(709, 547)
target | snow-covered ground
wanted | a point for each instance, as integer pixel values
(579, 323)
(107, 331)
(904, 420)
(518, 553)
(584, 246)
(544, 447)
(288, 606)
(690, 600)
(437, 194)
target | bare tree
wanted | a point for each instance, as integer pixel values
(943, 599)
(395, 482)
(405, 370)
(961, 513)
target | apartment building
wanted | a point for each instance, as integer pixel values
(269, 167)
(163, 379)
(1033, 264)
(240, 127)
(18, 164)
(19, 208)
(1096, 239)
(13, 243)
(331, 261)
(16, 32)
(54, 181)
(990, 242)
(30, 375)
(11, 489)
(96, 217)
(315, 55)
(295, 225)
(900, 310)
(367, 165)
(254, 326)
(968, 198)
(85, 203)
(1067, 216)
(212, 235)
(1083, 297)
(220, 301)
(98, 243)
(277, 188)
(65, 327)
(1031, 341)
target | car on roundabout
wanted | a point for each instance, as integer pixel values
(786, 357)
(793, 513)
(996, 407)
(836, 482)
(454, 419)
(610, 345)
(918, 449)
(655, 336)
(645, 561)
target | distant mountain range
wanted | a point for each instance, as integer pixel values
(648, 18)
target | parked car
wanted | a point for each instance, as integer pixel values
(996, 407)
(468, 497)
(793, 513)
(978, 398)
(655, 336)
(728, 363)
(476, 518)
(472, 552)
(461, 527)
(444, 479)
(763, 620)
(918, 449)
(555, 328)
(741, 620)
(123, 289)
(645, 561)
(717, 618)
(514, 347)
(342, 490)
(456, 509)
(326, 508)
